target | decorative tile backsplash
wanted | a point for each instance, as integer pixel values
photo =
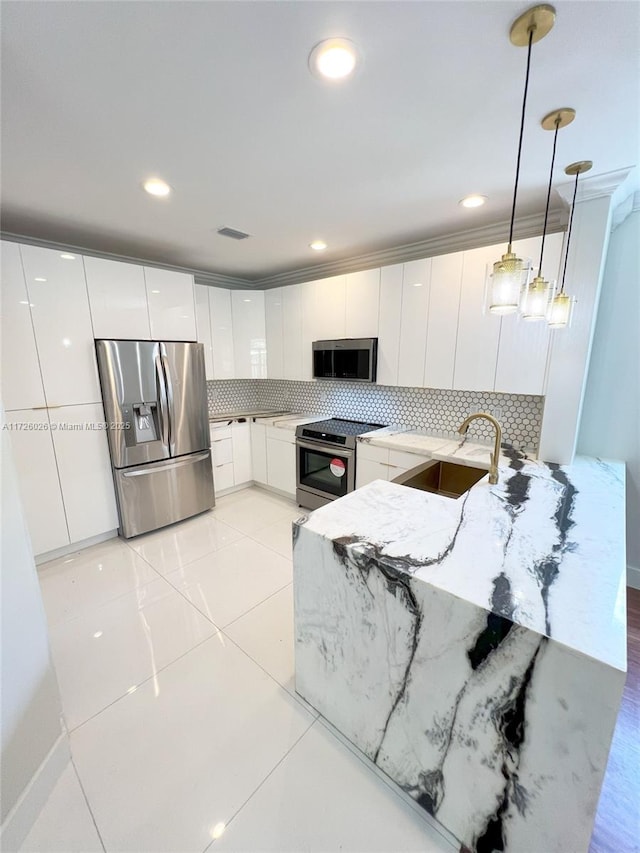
(437, 411)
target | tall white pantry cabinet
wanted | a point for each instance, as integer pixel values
(53, 305)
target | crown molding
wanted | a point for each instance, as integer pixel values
(596, 186)
(486, 235)
(630, 205)
(210, 278)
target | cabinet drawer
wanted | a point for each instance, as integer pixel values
(278, 434)
(403, 459)
(218, 433)
(223, 477)
(222, 451)
(372, 452)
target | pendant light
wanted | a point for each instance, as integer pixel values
(510, 273)
(536, 295)
(561, 306)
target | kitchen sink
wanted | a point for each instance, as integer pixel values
(441, 478)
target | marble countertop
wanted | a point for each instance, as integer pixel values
(291, 421)
(544, 547)
(249, 413)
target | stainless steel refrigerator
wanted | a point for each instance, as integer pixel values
(155, 404)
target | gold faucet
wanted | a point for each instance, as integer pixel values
(464, 426)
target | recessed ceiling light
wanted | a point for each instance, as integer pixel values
(418, 284)
(156, 186)
(473, 200)
(155, 291)
(67, 257)
(39, 278)
(318, 245)
(333, 59)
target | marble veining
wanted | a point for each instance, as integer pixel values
(474, 649)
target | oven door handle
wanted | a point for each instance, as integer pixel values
(342, 453)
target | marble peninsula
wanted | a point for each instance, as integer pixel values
(474, 649)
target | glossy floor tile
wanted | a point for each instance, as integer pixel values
(65, 825)
(175, 546)
(175, 657)
(322, 798)
(73, 585)
(229, 582)
(112, 649)
(180, 755)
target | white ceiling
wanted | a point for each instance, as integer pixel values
(216, 98)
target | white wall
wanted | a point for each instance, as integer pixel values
(30, 720)
(610, 425)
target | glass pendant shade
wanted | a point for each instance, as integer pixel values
(560, 311)
(509, 276)
(535, 299)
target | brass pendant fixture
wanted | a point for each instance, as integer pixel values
(561, 306)
(536, 295)
(511, 273)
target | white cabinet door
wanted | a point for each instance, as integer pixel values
(292, 355)
(273, 310)
(413, 325)
(203, 327)
(82, 454)
(367, 471)
(223, 477)
(259, 452)
(389, 324)
(442, 324)
(241, 437)
(62, 322)
(221, 333)
(281, 465)
(307, 310)
(524, 345)
(478, 333)
(329, 307)
(118, 299)
(172, 310)
(21, 380)
(249, 336)
(362, 304)
(38, 478)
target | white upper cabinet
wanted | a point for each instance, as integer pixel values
(249, 337)
(273, 307)
(442, 324)
(62, 322)
(21, 380)
(389, 324)
(413, 324)
(292, 356)
(172, 312)
(524, 345)
(118, 299)
(221, 333)
(203, 327)
(362, 304)
(329, 308)
(478, 333)
(38, 478)
(82, 456)
(308, 327)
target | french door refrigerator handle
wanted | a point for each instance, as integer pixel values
(162, 397)
(170, 402)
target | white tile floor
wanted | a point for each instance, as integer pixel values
(174, 654)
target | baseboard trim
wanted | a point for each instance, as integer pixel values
(23, 815)
(75, 546)
(633, 577)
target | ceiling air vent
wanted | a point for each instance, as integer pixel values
(233, 233)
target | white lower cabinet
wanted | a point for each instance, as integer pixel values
(383, 463)
(259, 452)
(82, 453)
(281, 460)
(241, 444)
(35, 461)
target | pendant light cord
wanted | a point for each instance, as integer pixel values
(546, 210)
(566, 254)
(524, 105)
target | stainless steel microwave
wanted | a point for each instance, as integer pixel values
(353, 359)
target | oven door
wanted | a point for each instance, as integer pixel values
(324, 470)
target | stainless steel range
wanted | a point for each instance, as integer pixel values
(326, 460)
